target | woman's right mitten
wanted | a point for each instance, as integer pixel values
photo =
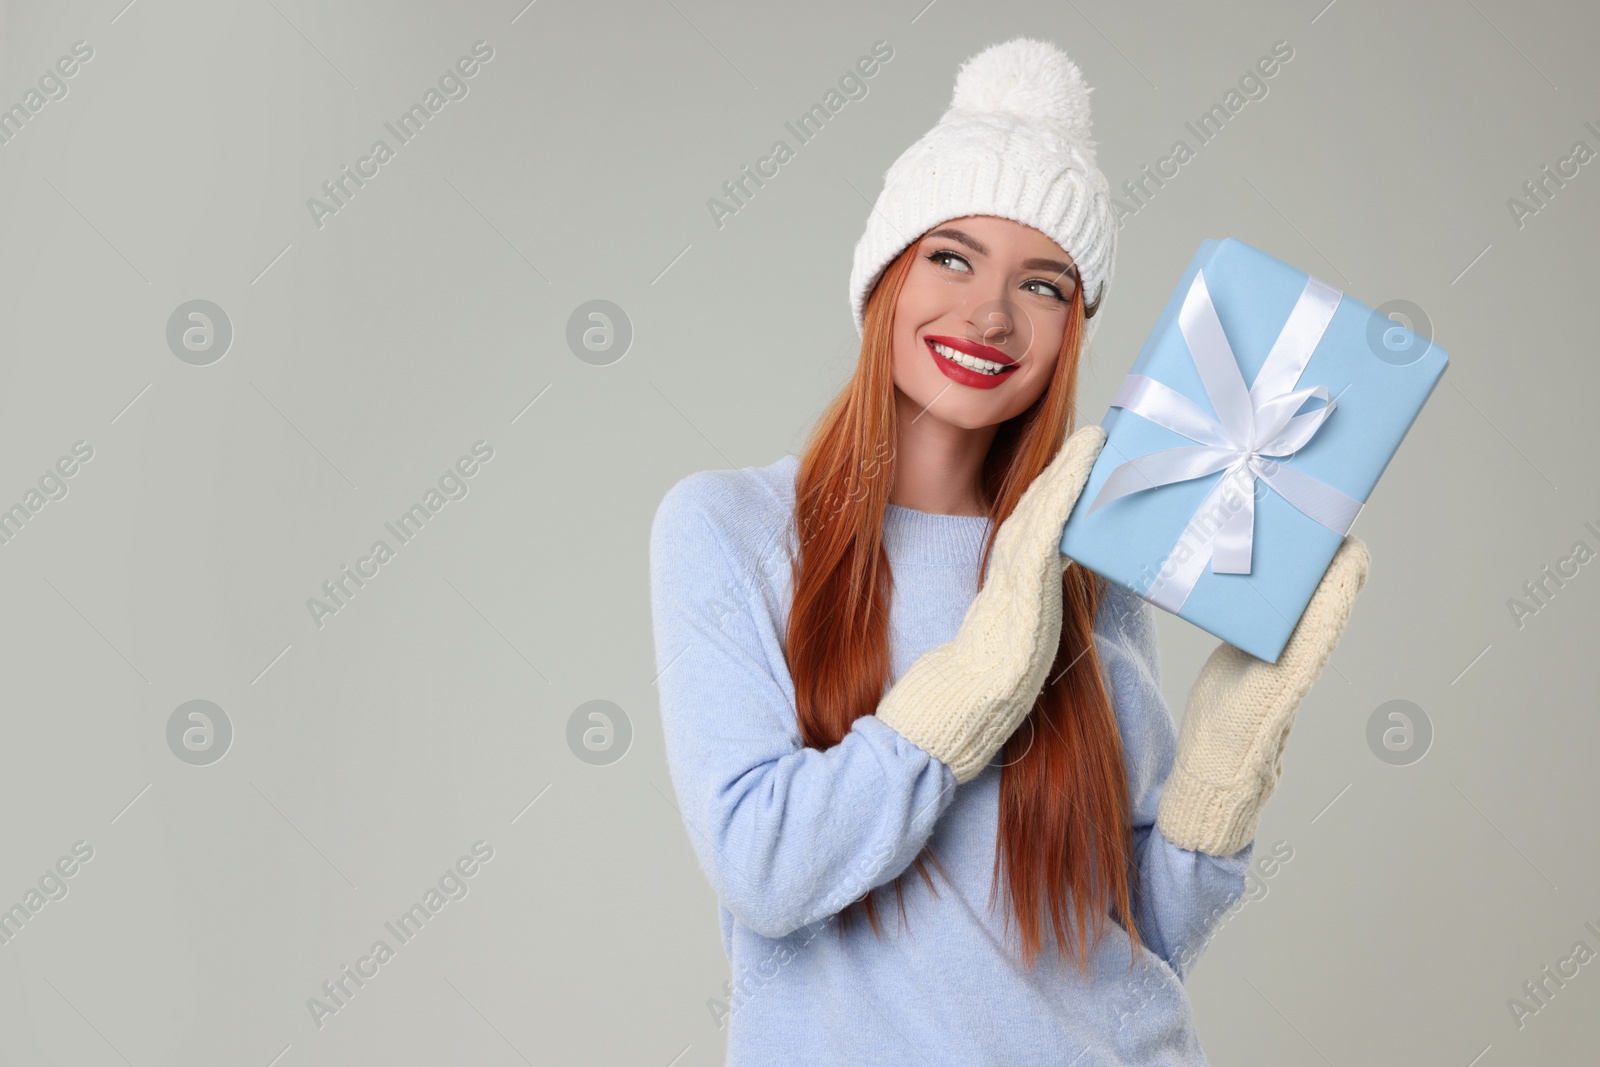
(961, 700)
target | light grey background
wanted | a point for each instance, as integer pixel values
(431, 312)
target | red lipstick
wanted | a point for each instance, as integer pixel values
(962, 375)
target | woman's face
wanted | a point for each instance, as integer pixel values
(998, 293)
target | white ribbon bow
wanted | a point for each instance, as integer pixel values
(1250, 425)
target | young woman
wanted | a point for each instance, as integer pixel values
(881, 681)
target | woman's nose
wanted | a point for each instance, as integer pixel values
(1001, 323)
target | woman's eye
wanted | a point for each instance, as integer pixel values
(955, 261)
(940, 257)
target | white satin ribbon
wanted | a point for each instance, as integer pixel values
(1251, 425)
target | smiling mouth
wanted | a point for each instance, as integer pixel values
(971, 362)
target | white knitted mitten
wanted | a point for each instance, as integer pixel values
(961, 700)
(1230, 747)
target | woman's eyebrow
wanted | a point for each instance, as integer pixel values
(956, 235)
(1047, 264)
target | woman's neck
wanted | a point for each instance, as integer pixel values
(938, 467)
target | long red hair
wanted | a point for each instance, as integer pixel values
(1064, 831)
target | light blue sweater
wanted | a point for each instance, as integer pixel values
(788, 835)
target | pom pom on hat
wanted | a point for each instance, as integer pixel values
(1033, 80)
(1014, 143)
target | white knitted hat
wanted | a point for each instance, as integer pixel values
(1015, 144)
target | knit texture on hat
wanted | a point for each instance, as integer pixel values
(1014, 143)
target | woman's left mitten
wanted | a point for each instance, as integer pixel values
(1240, 710)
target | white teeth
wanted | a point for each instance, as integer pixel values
(982, 366)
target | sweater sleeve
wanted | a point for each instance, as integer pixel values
(1182, 894)
(787, 834)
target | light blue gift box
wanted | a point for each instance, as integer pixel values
(1241, 561)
